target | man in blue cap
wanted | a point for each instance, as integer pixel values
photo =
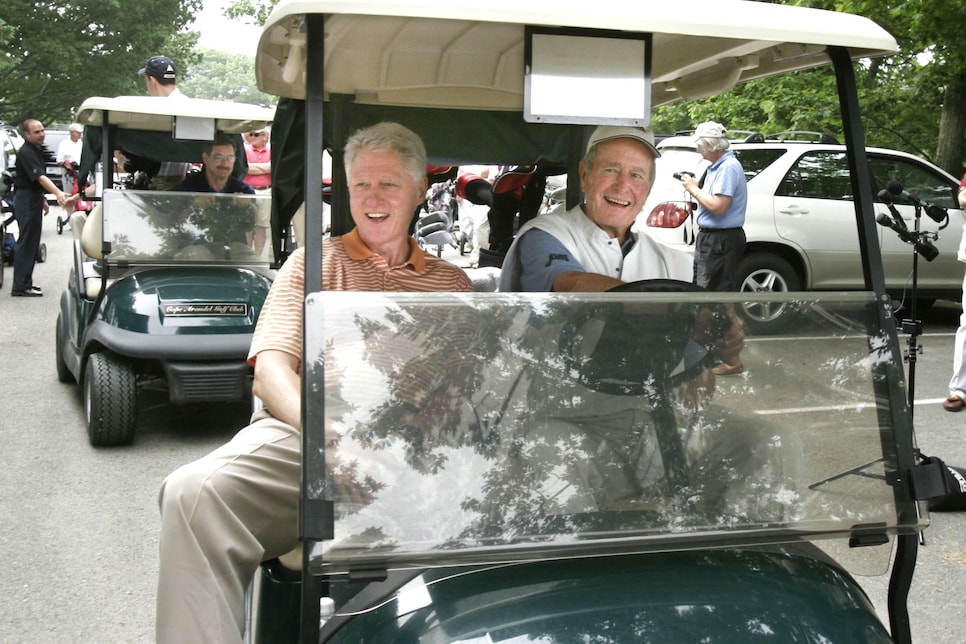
(160, 74)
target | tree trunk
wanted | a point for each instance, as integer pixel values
(952, 127)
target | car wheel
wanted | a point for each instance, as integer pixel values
(110, 400)
(63, 373)
(766, 273)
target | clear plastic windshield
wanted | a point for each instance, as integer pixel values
(465, 428)
(151, 227)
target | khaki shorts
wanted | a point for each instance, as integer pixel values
(263, 215)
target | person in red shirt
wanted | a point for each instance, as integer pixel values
(259, 155)
(956, 400)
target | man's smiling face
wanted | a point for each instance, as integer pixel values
(617, 184)
(383, 198)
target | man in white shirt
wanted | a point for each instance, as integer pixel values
(69, 150)
(160, 76)
(596, 245)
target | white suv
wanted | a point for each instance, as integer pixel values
(800, 221)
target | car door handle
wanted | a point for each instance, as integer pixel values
(793, 210)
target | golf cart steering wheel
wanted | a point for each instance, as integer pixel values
(620, 352)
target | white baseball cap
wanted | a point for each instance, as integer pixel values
(710, 130)
(607, 132)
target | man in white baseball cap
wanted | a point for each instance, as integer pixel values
(596, 245)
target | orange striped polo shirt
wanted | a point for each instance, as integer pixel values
(347, 265)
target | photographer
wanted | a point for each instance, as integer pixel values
(721, 215)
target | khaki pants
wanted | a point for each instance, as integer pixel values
(221, 516)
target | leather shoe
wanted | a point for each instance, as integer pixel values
(725, 369)
(27, 293)
(954, 403)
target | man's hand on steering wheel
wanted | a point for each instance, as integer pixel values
(722, 330)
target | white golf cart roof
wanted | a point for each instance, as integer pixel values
(158, 113)
(437, 53)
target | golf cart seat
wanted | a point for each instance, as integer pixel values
(91, 233)
(76, 222)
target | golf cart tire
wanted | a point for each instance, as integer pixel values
(110, 400)
(63, 373)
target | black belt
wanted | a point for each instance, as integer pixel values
(702, 229)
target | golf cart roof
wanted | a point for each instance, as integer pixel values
(454, 73)
(158, 113)
(436, 53)
(164, 129)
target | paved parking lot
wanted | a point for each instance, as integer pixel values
(80, 524)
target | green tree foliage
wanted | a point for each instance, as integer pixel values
(59, 52)
(222, 75)
(914, 100)
(253, 11)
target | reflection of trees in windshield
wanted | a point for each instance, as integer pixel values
(477, 401)
(344, 478)
(170, 225)
(428, 394)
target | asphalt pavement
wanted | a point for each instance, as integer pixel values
(80, 525)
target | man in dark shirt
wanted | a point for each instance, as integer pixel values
(219, 160)
(30, 206)
(218, 157)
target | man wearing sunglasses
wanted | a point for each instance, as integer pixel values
(259, 155)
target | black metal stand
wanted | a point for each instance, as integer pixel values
(921, 244)
(913, 325)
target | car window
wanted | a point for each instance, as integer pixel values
(916, 179)
(754, 161)
(818, 175)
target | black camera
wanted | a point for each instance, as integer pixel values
(680, 175)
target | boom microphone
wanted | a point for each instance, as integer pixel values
(885, 220)
(895, 188)
(927, 250)
(937, 213)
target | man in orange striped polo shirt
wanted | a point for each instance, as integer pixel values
(224, 514)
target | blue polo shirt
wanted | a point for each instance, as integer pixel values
(725, 177)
